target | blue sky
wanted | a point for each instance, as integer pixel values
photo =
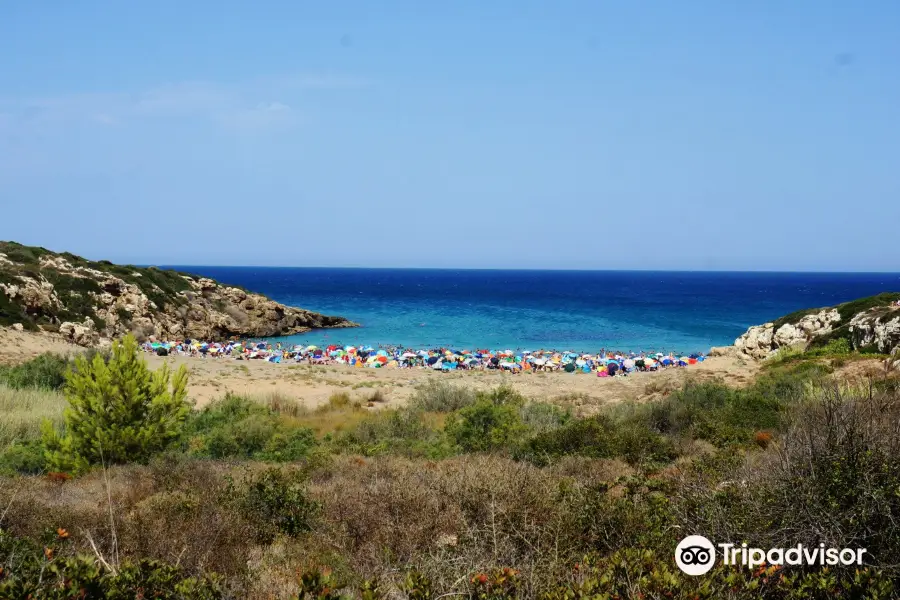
(661, 135)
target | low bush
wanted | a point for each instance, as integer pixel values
(276, 501)
(714, 412)
(485, 426)
(540, 417)
(47, 371)
(403, 431)
(441, 397)
(238, 427)
(599, 436)
(26, 457)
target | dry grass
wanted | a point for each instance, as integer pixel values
(23, 411)
(450, 518)
(176, 512)
(332, 419)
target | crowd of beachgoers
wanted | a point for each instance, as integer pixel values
(604, 363)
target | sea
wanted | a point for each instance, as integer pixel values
(528, 310)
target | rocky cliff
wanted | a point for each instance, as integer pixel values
(88, 302)
(868, 324)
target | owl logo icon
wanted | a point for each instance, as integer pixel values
(695, 555)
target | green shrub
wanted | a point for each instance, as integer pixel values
(503, 395)
(47, 371)
(237, 427)
(118, 412)
(289, 445)
(485, 426)
(12, 312)
(417, 586)
(599, 436)
(276, 501)
(24, 457)
(404, 431)
(321, 584)
(440, 396)
(833, 347)
(848, 309)
(540, 417)
(722, 415)
(241, 439)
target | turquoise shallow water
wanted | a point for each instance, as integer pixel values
(578, 310)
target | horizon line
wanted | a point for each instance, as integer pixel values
(526, 269)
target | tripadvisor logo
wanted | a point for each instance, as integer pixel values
(696, 555)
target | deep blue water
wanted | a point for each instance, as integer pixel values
(578, 310)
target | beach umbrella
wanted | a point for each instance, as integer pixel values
(311, 347)
(381, 353)
(408, 355)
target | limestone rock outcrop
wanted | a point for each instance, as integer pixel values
(880, 332)
(875, 327)
(91, 302)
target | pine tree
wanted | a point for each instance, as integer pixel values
(119, 411)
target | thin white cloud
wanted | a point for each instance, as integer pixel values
(265, 115)
(242, 106)
(182, 99)
(105, 119)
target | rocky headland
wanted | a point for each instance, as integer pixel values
(91, 302)
(869, 325)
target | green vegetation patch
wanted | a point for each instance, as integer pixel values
(238, 427)
(848, 309)
(76, 293)
(24, 255)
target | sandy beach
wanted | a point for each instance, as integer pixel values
(312, 385)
